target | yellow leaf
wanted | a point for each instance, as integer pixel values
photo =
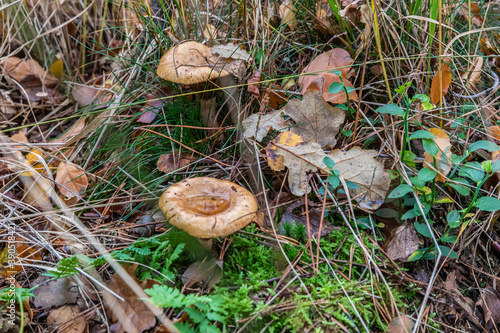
(443, 157)
(57, 68)
(287, 138)
(34, 156)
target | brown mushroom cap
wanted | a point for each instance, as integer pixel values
(207, 207)
(189, 63)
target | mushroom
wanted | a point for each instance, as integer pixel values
(192, 63)
(207, 207)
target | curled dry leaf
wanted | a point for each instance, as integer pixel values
(257, 125)
(153, 104)
(443, 157)
(71, 179)
(494, 132)
(170, 162)
(316, 120)
(446, 75)
(356, 165)
(321, 66)
(75, 129)
(137, 316)
(474, 74)
(6, 105)
(489, 301)
(367, 19)
(475, 13)
(287, 14)
(253, 83)
(403, 243)
(67, 319)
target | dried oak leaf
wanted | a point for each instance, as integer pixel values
(316, 120)
(336, 59)
(403, 243)
(257, 125)
(361, 168)
(443, 157)
(67, 319)
(286, 139)
(71, 179)
(169, 162)
(446, 75)
(137, 316)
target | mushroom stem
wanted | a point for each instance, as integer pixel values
(208, 114)
(207, 243)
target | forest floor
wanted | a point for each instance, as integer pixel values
(361, 136)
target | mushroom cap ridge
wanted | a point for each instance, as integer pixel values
(208, 207)
(188, 63)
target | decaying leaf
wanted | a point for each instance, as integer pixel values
(6, 105)
(446, 75)
(403, 243)
(472, 76)
(367, 19)
(153, 104)
(316, 120)
(494, 131)
(357, 166)
(67, 319)
(323, 12)
(253, 83)
(71, 179)
(23, 253)
(443, 157)
(286, 139)
(257, 125)
(314, 220)
(361, 168)
(74, 130)
(170, 162)
(207, 273)
(489, 301)
(55, 293)
(401, 324)
(321, 66)
(287, 14)
(475, 13)
(137, 316)
(230, 51)
(85, 95)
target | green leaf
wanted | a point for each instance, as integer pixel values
(351, 185)
(423, 229)
(417, 255)
(387, 213)
(422, 134)
(400, 191)
(453, 217)
(483, 144)
(391, 109)
(472, 170)
(486, 166)
(339, 73)
(488, 204)
(329, 162)
(335, 87)
(421, 97)
(409, 215)
(426, 174)
(409, 158)
(447, 252)
(463, 190)
(430, 146)
(334, 181)
(349, 89)
(495, 166)
(449, 239)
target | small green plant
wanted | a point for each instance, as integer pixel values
(65, 267)
(203, 312)
(295, 231)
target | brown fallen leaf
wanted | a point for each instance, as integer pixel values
(67, 319)
(23, 253)
(230, 51)
(273, 97)
(316, 120)
(207, 273)
(494, 131)
(74, 130)
(443, 157)
(71, 179)
(154, 103)
(6, 105)
(55, 293)
(287, 14)
(360, 167)
(472, 76)
(401, 324)
(446, 75)
(336, 59)
(367, 19)
(137, 316)
(475, 13)
(253, 83)
(403, 243)
(170, 162)
(489, 301)
(84, 94)
(257, 125)
(451, 282)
